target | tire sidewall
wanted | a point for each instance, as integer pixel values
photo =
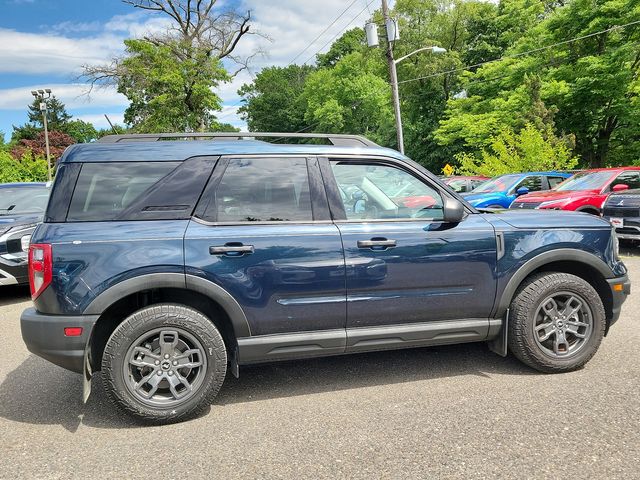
(532, 352)
(148, 319)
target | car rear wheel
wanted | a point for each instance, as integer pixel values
(556, 322)
(165, 363)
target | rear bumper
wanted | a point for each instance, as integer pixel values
(44, 336)
(620, 289)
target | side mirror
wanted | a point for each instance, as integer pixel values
(453, 210)
(620, 187)
(522, 191)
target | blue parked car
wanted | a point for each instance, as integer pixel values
(500, 192)
(163, 265)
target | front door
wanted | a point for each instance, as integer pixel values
(411, 278)
(265, 236)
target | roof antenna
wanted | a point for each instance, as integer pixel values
(111, 124)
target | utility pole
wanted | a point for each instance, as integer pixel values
(39, 95)
(394, 77)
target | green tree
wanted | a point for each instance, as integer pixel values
(352, 97)
(57, 115)
(527, 150)
(589, 84)
(351, 41)
(81, 131)
(24, 169)
(169, 77)
(272, 101)
(167, 96)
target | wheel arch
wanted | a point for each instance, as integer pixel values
(576, 262)
(124, 298)
(590, 209)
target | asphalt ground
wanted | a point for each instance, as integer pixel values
(446, 412)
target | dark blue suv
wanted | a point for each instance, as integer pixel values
(166, 263)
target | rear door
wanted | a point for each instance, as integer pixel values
(263, 233)
(411, 279)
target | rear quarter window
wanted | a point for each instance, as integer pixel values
(104, 190)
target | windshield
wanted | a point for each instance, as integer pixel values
(498, 184)
(20, 201)
(585, 181)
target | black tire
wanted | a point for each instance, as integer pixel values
(193, 330)
(525, 315)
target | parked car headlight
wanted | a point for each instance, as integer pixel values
(553, 204)
(25, 240)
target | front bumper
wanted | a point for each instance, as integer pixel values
(620, 289)
(44, 336)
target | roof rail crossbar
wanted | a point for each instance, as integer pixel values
(335, 139)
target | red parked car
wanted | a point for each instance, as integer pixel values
(584, 192)
(462, 184)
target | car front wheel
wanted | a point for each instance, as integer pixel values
(165, 363)
(556, 322)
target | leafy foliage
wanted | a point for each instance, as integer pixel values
(272, 101)
(36, 148)
(590, 84)
(26, 168)
(165, 95)
(527, 150)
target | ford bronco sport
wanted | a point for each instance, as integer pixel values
(163, 264)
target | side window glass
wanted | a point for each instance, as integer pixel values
(264, 190)
(553, 181)
(383, 192)
(104, 190)
(533, 183)
(632, 179)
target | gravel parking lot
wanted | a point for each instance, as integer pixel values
(454, 412)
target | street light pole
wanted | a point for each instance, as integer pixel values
(394, 77)
(391, 28)
(39, 94)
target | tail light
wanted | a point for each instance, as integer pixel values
(40, 268)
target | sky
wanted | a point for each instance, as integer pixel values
(44, 43)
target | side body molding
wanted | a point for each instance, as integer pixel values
(562, 254)
(178, 281)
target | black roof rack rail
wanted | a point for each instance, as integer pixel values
(335, 139)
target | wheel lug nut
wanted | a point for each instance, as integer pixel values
(166, 355)
(170, 373)
(159, 373)
(157, 362)
(175, 362)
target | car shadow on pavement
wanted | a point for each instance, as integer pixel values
(14, 294)
(38, 392)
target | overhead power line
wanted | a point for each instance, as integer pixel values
(521, 54)
(339, 31)
(237, 104)
(324, 31)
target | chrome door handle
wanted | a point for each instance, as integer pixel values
(232, 250)
(377, 243)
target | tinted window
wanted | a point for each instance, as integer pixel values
(104, 190)
(533, 183)
(381, 192)
(459, 185)
(632, 179)
(264, 189)
(554, 181)
(18, 201)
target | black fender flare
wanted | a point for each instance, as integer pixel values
(561, 254)
(181, 281)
